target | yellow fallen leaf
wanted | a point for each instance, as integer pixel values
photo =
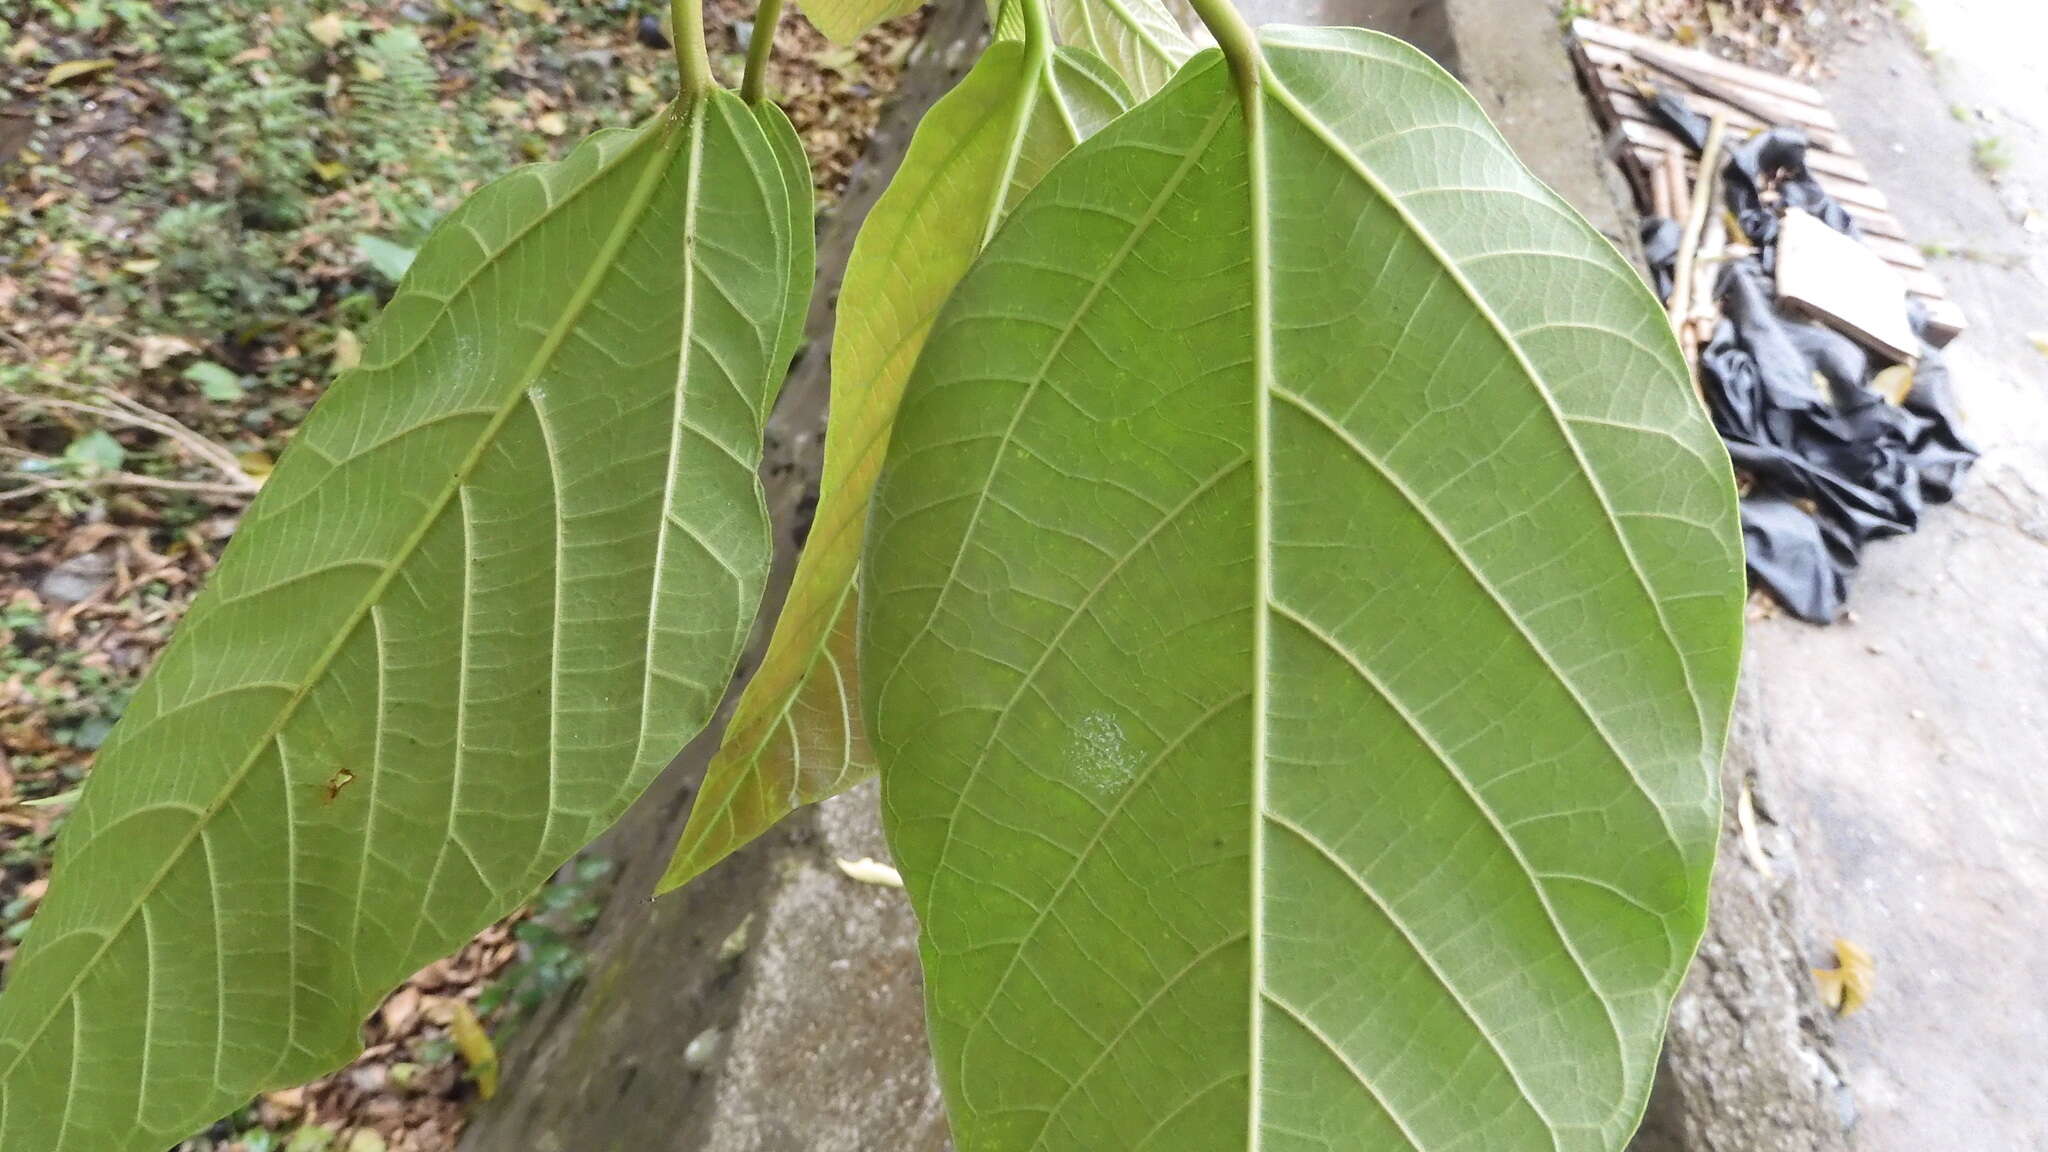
(328, 29)
(367, 72)
(477, 1050)
(551, 123)
(22, 49)
(870, 871)
(330, 170)
(1847, 986)
(1894, 383)
(73, 69)
(530, 7)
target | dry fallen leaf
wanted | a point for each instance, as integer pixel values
(155, 349)
(1745, 819)
(1847, 986)
(551, 123)
(73, 69)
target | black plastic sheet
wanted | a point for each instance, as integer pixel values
(1830, 463)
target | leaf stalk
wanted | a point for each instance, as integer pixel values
(767, 18)
(1038, 36)
(1239, 43)
(686, 18)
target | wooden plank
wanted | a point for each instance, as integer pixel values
(1623, 72)
(1601, 34)
(1863, 200)
(1628, 102)
(1615, 65)
(1828, 159)
(1845, 285)
(1945, 321)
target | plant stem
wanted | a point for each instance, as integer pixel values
(767, 18)
(1239, 43)
(1038, 37)
(687, 20)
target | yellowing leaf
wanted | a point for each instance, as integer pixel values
(477, 1050)
(327, 29)
(1847, 986)
(73, 69)
(796, 736)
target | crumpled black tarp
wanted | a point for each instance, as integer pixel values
(1829, 470)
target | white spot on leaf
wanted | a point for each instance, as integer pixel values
(1101, 759)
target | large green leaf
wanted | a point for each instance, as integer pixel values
(1304, 605)
(1140, 39)
(500, 578)
(795, 736)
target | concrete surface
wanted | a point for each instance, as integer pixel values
(1914, 740)
(1749, 1062)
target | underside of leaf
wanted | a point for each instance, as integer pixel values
(796, 736)
(1140, 39)
(500, 578)
(1303, 611)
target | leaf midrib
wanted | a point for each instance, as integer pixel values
(600, 267)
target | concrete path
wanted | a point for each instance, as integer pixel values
(1913, 741)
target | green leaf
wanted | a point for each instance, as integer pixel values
(501, 576)
(216, 382)
(795, 736)
(1304, 606)
(1140, 39)
(96, 451)
(390, 260)
(845, 20)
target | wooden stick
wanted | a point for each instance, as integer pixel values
(1695, 224)
(123, 410)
